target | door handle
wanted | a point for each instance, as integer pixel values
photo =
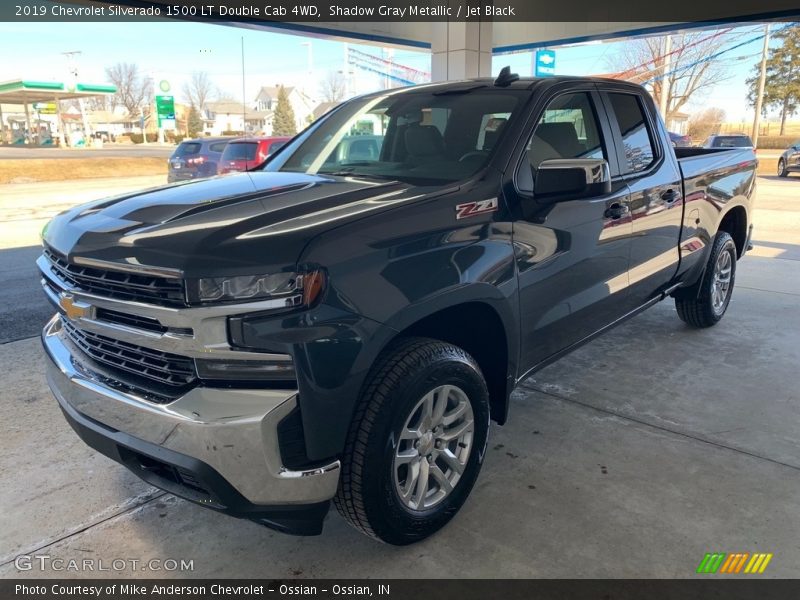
(671, 195)
(615, 211)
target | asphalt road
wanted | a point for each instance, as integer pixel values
(121, 151)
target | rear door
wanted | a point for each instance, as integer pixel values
(649, 168)
(572, 256)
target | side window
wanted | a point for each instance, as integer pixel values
(568, 128)
(637, 138)
(217, 146)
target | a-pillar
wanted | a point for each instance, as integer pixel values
(461, 49)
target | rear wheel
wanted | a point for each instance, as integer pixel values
(705, 303)
(782, 171)
(417, 442)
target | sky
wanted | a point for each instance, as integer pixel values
(172, 50)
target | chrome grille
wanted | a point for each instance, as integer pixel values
(121, 285)
(154, 365)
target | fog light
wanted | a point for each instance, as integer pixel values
(246, 370)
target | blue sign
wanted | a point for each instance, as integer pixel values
(545, 63)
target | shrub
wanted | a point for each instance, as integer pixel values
(775, 142)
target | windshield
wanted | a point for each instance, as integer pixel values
(732, 141)
(240, 151)
(419, 137)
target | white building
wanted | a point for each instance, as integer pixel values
(302, 105)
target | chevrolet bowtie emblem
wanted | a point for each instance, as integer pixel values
(74, 309)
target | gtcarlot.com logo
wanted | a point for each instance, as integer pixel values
(45, 562)
(734, 563)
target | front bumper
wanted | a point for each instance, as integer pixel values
(216, 447)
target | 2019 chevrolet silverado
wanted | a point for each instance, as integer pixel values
(329, 328)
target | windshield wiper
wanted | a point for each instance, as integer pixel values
(351, 172)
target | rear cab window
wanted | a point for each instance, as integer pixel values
(638, 140)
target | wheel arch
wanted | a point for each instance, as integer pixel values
(482, 330)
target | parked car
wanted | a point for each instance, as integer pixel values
(326, 328)
(245, 153)
(737, 140)
(789, 162)
(679, 140)
(196, 159)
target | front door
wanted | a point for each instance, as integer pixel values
(572, 256)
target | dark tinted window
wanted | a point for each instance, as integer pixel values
(240, 151)
(217, 146)
(275, 146)
(187, 149)
(732, 141)
(421, 136)
(567, 129)
(637, 138)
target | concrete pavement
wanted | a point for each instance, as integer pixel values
(632, 457)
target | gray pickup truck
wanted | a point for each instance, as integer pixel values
(329, 327)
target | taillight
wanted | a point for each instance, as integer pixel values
(197, 160)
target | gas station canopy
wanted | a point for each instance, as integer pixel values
(27, 92)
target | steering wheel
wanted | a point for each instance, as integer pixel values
(468, 155)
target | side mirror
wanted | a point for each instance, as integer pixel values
(562, 179)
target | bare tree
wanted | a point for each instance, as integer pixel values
(705, 123)
(134, 89)
(199, 90)
(332, 87)
(691, 69)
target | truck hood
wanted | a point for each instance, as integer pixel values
(236, 224)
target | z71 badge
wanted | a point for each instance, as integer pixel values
(472, 209)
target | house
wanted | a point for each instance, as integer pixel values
(227, 116)
(302, 105)
(322, 108)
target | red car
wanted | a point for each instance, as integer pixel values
(245, 153)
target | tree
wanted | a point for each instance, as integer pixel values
(705, 123)
(332, 87)
(134, 90)
(283, 122)
(691, 67)
(782, 83)
(194, 125)
(198, 90)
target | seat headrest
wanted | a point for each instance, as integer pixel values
(424, 140)
(562, 137)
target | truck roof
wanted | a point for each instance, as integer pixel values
(523, 83)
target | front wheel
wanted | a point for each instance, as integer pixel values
(417, 442)
(782, 171)
(705, 303)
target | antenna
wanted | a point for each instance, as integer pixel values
(506, 77)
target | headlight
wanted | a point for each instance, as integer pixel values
(286, 289)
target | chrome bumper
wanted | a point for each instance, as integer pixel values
(234, 431)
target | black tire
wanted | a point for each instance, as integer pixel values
(695, 305)
(782, 171)
(367, 497)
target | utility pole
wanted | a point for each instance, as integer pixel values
(72, 65)
(244, 97)
(761, 81)
(664, 99)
